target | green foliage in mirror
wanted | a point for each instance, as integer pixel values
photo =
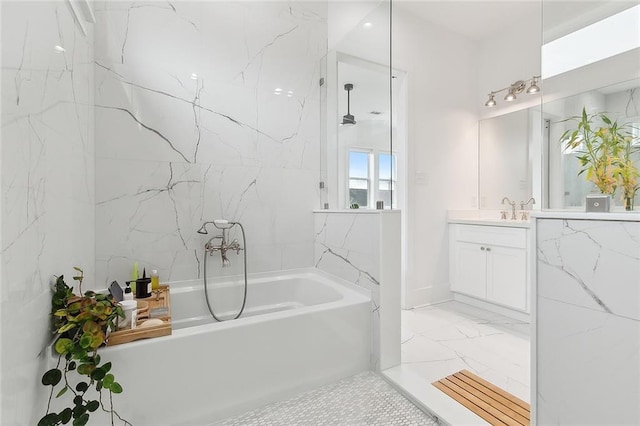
(606, 150)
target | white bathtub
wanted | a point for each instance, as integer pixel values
(303, 329)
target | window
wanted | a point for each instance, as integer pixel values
(387, 176)
(372, 177)
(359, 179)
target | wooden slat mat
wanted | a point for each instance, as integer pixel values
(485, 399)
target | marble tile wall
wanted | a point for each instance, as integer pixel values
(206, 110)
(588, 322)
(47, 167)
(349, 245)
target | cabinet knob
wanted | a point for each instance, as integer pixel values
(488, 248)
(482, 248)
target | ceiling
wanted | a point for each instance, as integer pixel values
(370, 94)
(473, 19)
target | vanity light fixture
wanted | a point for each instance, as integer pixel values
(515, 89)
(194, 76)
(348, 118)
(491, 102)
(534, 88)
(511, 96)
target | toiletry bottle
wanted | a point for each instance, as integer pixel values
(128, 294)
(155, 279)
(134, 276)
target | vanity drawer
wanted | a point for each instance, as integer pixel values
(491, 235)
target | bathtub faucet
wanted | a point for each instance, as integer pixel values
(224, 246)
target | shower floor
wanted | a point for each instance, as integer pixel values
(442, 339)
(364, 399)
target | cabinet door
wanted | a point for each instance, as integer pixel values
(469, 269)
(507, 276)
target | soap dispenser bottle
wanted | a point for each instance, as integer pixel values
(128, 294)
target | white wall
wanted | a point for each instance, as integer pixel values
(510, 55)
(173, 151)
(47, 186)
(442, 170)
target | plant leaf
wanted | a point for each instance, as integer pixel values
(93, 405)
(66, 327)
(50, 419)
(65, 415)
(64, 346)
(52, 377)
(62, 392)
(82, 387)
(82, 420)
(115, 387)
(97, 374)
(108, 381)
(86, 369)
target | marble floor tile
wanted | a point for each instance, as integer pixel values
(442, 339)
(364, 399)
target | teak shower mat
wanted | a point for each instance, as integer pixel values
(485, 399)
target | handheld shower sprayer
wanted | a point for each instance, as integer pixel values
(218, 223)
(210, 247)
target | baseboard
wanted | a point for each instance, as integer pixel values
(492, 307)
(424, 296)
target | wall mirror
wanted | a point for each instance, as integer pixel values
(520, 154)
(505, 158)
(565, 188)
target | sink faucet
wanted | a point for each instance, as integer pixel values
(513, 207)
(524, 213)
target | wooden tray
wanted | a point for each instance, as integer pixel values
(159, 299)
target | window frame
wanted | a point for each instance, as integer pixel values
(373, 179)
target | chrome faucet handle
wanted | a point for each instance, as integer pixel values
(524, 215)
(503, 215)
(530, 200)
(513, 207)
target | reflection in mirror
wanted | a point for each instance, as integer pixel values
(505, 166)
(567, 186)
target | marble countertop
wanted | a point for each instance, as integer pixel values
(581, 215)
(484, 217)
(492, 222)
(357, 211)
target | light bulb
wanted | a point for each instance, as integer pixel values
(534, 88)
(510, 96)
(491, 102)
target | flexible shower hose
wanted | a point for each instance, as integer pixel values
(244, 299)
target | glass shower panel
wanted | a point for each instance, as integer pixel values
(358, 112)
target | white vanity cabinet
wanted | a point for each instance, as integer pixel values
(489, 263)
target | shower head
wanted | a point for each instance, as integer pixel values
(223, 224)
(203, 229)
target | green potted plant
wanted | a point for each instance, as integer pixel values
(605, 151)
(81, 324)
(626, 171)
